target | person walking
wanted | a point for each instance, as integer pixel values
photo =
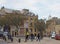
(32, 36)
(26, 36)
(38, 36)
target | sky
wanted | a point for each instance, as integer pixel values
(42, 8)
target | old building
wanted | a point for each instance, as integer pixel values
(53, 25)
(28, 25)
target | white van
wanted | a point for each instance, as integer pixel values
(53, 34)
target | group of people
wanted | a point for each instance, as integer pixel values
(32, 36)
(28, 35)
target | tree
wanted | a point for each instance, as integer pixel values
(40, 25)
(14, 19)
(2, 21)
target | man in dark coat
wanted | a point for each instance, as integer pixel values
(38, 36)
(32, 36)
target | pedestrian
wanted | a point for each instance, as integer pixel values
(26, 36)
(6, 28)
(38, 36)
(32, 36)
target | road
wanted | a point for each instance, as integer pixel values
(45, 40)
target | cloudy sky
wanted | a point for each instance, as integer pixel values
(43, 8)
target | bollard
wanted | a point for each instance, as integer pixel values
(19, 40)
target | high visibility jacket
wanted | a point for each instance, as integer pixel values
(27, 33)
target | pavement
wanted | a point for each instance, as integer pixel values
(3, 42)
(45, 40)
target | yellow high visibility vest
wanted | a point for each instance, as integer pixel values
(27, 33)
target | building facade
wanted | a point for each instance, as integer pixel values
(53, 25)
(28, 25)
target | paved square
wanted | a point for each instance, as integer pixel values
(45, 40)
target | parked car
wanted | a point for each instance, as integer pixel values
(57, 37)
(53, 35)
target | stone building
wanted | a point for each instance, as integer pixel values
(28, 24)
(53, 25)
